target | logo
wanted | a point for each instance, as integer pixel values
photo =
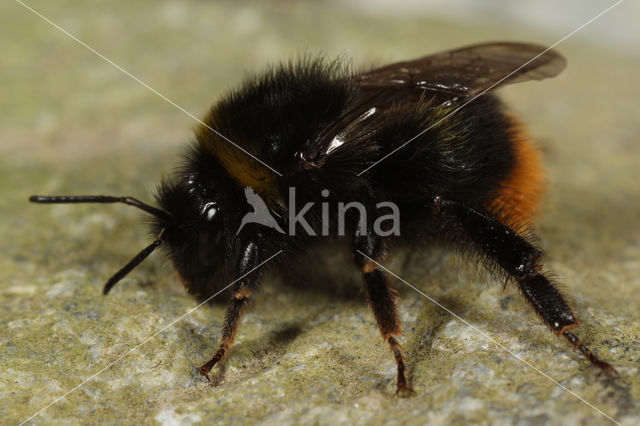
(260, 213)
(262, 216)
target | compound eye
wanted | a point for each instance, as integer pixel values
(210, 212)
(210, 234)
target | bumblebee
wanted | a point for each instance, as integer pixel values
(472, 181)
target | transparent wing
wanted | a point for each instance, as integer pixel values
(470, 70)
(387, 94)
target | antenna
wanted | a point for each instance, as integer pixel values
(61, 199)
(144, 253)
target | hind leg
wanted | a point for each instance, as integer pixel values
(521, 261)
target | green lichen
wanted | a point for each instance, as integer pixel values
(308, 350)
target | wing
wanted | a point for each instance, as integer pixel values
(470, 70)
(359, 124)
(387, 94)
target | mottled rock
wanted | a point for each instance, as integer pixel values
(308, 350)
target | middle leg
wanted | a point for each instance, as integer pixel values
(382, 298)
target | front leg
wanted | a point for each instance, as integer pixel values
(242, 290)
(382, 299)
(521, 261)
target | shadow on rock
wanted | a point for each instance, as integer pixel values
(257, 354)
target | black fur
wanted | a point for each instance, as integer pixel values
(273, 116)
(325, 129)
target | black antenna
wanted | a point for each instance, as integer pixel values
(55, 199)
(144, 253)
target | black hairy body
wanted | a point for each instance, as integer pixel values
(425, 136)
(290, 107)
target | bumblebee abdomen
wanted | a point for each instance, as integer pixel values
(518, 196)
(478, 155)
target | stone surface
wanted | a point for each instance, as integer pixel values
(307, 351)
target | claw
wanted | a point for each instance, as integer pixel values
(608, 370)
(404, 390)
(205, 371)
(206, 368)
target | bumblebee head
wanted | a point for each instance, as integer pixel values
(194, 231)
(190, 224)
